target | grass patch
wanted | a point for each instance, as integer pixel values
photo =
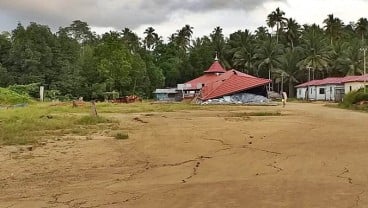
(93, 120)
(260, 113)
(121, 136)
(30, 124)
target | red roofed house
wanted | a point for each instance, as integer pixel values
(217, 82)
(332, 88)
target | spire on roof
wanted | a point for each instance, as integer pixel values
(216, 58)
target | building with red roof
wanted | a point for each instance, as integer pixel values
(217, 82)
(331, 88)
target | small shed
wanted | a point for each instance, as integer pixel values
(170, 94)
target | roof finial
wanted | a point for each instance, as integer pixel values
(216, 58)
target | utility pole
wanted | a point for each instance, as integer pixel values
(309, 79)
(364, 66)
(282, 82)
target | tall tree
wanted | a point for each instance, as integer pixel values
(293, 31)
(333, 26)
(151, 39)
(267, 55)
(361, 28)
(276, 18)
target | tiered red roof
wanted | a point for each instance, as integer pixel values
(215, 68)
(218, 82)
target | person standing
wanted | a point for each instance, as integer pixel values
(284, 99)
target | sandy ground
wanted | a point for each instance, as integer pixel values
(312, 156)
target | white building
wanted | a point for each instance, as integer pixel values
(330, 89)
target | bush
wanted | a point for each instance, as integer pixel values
(353, 98)
(93, 120)
(32, 90)
(10, 97)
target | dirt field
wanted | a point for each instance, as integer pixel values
(311, 156)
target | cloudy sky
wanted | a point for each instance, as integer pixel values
(166, 16)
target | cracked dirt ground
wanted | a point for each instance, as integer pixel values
(312, 156)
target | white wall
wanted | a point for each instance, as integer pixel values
(325, 92)
(351, 86)
(300, 93)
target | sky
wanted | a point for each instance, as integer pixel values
(167, 16)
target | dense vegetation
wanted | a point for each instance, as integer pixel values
(75, 62)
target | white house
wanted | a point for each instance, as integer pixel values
(329, 89)
(352, 83)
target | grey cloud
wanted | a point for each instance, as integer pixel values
(113, 13)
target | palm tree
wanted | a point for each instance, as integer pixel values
(333, 27)
(218, 43)
(293, 31)
(317, 52)
(276, 18)
(241, 47)
(261, 33)
(288, 67)
(267, 54)
(361, 28)
(131, 39)
(183, 36)
(151, 38)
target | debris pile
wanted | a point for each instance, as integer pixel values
(240, 98)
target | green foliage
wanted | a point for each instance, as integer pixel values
(29, 89)
(353, 98)
(9, 97)
(75, 62)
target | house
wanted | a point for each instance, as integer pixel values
(352, 83)
(217, 82)
(170, 94)
(330, 89)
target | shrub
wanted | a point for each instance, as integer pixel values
(30, 89)
(10, 97)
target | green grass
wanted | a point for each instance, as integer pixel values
(30, 124)
(257, 113)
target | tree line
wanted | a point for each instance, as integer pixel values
(75, 62)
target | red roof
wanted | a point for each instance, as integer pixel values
(334, 80)
(356, 78)
(217, 82)
(231, 82)
(215, 68)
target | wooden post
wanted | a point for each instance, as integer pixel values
(93, 109)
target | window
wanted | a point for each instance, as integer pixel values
(300, 92)
(350, 89)
(321, 91)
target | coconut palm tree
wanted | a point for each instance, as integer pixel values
(276, 18)
(261, 33)
(267, 54)
(334, 27)
(316, 50)
(361, 28)
(293, 31)
(151, 38)
(241, 47)
(288, 69)
(183, 36)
